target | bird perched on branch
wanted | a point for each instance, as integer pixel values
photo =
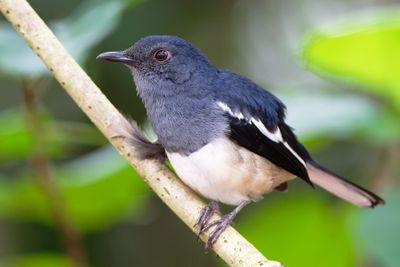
(225, 136)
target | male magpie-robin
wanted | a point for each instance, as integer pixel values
(224, 135)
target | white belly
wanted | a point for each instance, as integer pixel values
(228, 173)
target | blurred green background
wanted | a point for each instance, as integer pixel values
(336, 64)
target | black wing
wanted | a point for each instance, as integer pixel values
(287, 153)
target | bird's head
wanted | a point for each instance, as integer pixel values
(160, 61)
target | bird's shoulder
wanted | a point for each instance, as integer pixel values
(244, 96)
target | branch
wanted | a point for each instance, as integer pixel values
(231, 246)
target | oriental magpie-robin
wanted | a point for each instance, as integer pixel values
(225, 136)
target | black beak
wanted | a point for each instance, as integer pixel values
(117, 56)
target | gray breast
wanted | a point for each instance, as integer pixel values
(185, 123)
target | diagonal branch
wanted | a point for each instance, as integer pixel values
(231, 246)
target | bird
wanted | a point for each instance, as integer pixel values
(225, 136)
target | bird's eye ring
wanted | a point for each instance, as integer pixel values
(162, 55)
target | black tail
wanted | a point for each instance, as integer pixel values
(342, 188)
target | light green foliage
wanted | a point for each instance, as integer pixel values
(379, 229)
(62, 136)
(16, 58)
(348, 116)
(364, 50)
(88, 25)
(81, 31)
(97, 188)
(300, 231)
(346, 113)
(15, 139)
(37, 260)
(303, 231)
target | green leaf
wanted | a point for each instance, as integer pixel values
(299, 231)
(102, 187)
(15, 57)
(378, 231)
(81, 31)
(70, 132)
(361, 50)
(88, 25)
(37, 260)
(382, 128)
(345, 113)
(348, 116)
(98, 189)
(16, 139)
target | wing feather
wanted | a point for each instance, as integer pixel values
(279, 145)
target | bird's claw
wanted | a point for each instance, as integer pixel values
(205, 216)
(220, 226)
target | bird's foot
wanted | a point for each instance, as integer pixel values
(205, 216)
(220, 226)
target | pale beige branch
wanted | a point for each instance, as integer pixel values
(231, 246)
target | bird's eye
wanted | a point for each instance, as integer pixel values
(162, 55)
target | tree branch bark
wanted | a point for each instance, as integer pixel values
(231, 246)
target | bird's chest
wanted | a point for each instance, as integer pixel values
(184, 125)
(226, 172)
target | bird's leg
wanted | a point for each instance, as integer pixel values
(205, 215)
(221, 224)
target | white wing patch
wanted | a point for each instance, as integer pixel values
(275, 136)
(295, 154)
(226, 108)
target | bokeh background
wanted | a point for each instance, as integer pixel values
(336, 64)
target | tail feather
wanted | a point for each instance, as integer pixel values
(341, 187)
